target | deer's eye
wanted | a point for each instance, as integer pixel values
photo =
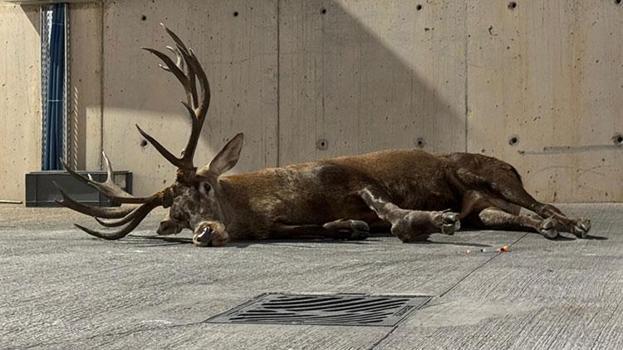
(206, 188)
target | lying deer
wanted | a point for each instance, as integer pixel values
(411, 192)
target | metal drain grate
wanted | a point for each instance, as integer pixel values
(336, 309)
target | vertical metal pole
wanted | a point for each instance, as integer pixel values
(44, 15)
(64, 94)
(70, 124)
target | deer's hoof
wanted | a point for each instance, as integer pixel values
(203, 236)
(358, 235)
(358, 225)
(352, 230)
(581, 228)
(450, 223)
(548, 228)
(359, 230)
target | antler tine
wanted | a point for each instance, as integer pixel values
(186, 54)
(108, 188)
(170, 66)
(109, 175)
(139, 214)
(198, 70)
(201, 109)
(179, 62)
(178, 42)
(109, 213)
(178, 162)
(131, 215)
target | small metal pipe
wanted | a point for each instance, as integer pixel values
(8, 201)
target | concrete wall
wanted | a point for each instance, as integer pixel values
(550, 73)
(308, 79)
(20, 98)
(86, 81)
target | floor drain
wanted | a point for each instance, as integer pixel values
(334, 309)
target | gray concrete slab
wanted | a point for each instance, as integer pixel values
(59, 288)
(541, 295)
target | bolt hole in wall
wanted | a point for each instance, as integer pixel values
(513, 140)
(618, 2)
(323, 11)
(143, 18)
(143, 143)
(512, 5)
(236, 13)
(418, 7)
(420, 142)
(617, 139)
(322, 144)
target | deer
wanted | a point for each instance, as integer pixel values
(411, 193)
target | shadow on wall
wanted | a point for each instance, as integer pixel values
(369, 75)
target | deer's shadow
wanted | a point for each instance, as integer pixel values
(300, 242)
(160, 241)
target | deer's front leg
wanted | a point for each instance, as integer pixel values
(410, 225)
(210, 234)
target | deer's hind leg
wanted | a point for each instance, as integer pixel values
(485, 211)
(409, 225)
(578, 226)
(509, 187)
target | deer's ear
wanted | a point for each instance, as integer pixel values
(228, 156)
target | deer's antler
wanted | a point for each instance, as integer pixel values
(191, 75)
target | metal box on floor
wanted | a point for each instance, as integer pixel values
(41, 192)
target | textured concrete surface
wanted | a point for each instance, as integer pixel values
(59, 288)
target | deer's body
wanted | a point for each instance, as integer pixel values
(411, 192)
(327, 190)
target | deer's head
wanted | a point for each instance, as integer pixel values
(192, 198)
(195, 198)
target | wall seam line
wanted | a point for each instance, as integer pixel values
(466, 88)
(102, 94)
(278, 138)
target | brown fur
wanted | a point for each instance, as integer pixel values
(258, 205)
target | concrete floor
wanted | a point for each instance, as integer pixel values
(61, 289)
